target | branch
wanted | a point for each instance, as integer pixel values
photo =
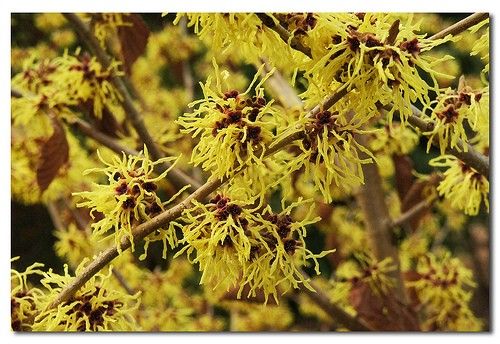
(410, 214)
(178, 178)
(146, 228)
(472, 158)
(461, 26)
(372, 201)
(284, 34)
(117, 81)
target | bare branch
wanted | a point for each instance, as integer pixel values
(461, 26)
(410, 214)
(333, 310)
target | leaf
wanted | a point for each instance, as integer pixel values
(133, 39)
(54, 155)
(403, 175)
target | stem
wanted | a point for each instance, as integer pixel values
(118, 82)
(372, 201)
(410, 214)
(146, 228)
(461, 26)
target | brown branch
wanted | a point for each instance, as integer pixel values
(371, 199)
(146, 228)
(284, 34)
(461, 26)
(410, 214)
(117, 81)
(176, 176)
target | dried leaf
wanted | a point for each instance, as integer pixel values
(403, 175)
(108, 123)
(133, 39)
(393, 33)
(54, 155)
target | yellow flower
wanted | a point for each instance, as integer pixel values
(233, 128)
(450, 112)
(236, 245)
(94, 307)
(359, 51)
(443, 289)
(330, 153)
(128, 198)
(462, 185)
(24, 299)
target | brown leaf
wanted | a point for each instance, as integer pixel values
(403, 175)
(108, 123)
(54, 155)
(393, 33)
(133, 39)
(381, 311)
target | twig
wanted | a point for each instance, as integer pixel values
(284, 34)
(472, 157)
(123, 282)
(54, 216)
(410, 214)
(118, 82)
(280, 88)
(146, 228)
(176, 176)
(461, 26)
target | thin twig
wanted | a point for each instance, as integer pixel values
(284, 34)
(146, 228)
(461, 26)
(176, 176)
(118, 82)
(409, 214)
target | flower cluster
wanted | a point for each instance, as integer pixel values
(24, 299)
(330, 152)
(233, 128)
(452, 110)
(71, 80)
(94, 307)
(374, 54)
(462, 185)
(442, 287)
(236, 245)
(129, 196)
